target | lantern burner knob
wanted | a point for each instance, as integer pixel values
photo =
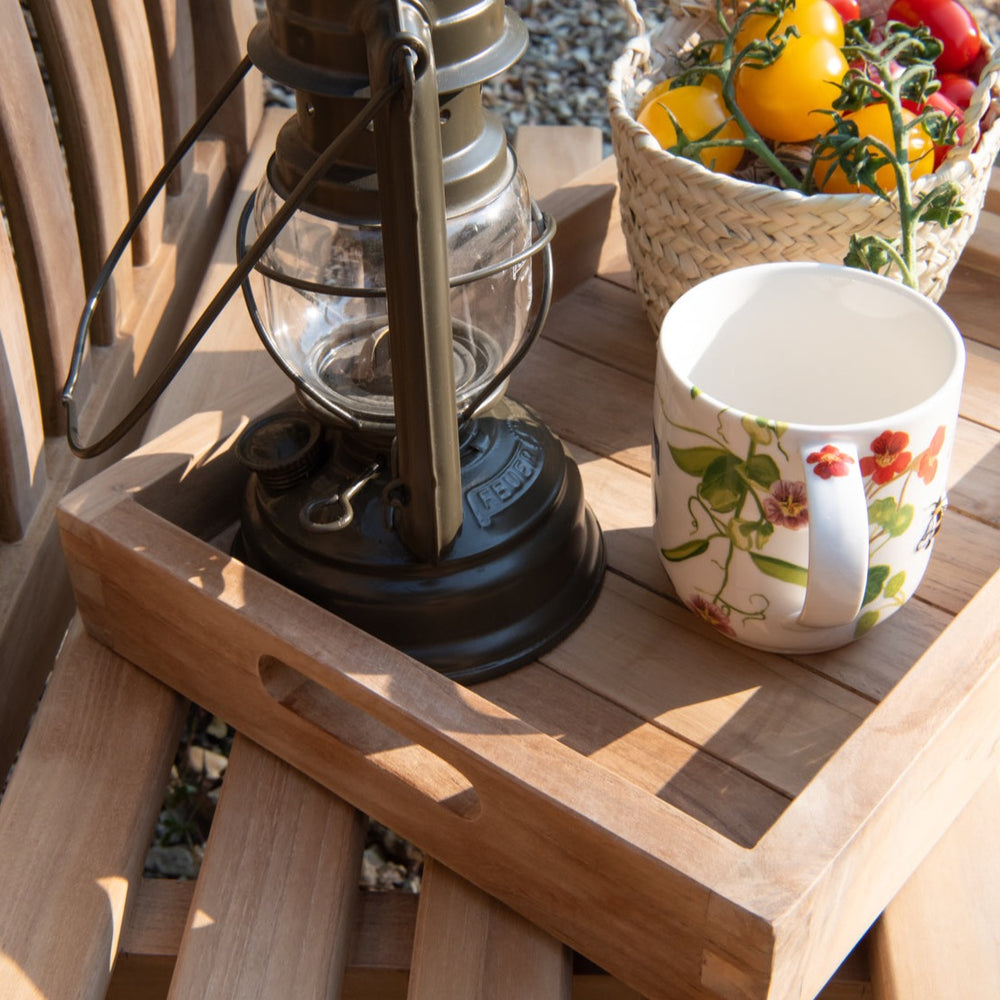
(284, 449)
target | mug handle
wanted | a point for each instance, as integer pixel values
(838, 535)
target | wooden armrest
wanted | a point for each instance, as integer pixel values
(76, 820)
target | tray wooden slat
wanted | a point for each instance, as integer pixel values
(686, 812)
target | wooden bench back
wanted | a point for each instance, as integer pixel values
(95, 92)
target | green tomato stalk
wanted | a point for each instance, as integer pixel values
(895, 69)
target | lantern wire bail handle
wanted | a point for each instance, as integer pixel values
(236, 277)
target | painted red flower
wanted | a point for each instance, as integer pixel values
(785, 505)
(710, 612)
(927, 465)
(830, 461)
(889, 457)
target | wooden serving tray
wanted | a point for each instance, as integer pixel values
(699, 818)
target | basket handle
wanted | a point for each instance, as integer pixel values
(638, 46)
(636, 23)
(982, 98)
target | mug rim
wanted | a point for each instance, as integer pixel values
(945, 387)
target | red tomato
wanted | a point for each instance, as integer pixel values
(785, 101)
(957, 88)
(697, 110)
(943, 103)
(849, 10)
(874, 120)
(949, 22)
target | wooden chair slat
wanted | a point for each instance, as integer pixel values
(40, 213)
(129, 54)
(84, 97)
(469, 945)
(220, 32)
(22, 460)
(273, 910)
(173, 50)
(97, 762)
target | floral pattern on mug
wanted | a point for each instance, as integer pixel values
(712, 614)
(786, 505)
(743, 497)
(892, 464)
(889, 457)
(830, 461)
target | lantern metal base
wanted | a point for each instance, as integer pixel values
(523, 572)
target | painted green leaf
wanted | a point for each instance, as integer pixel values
(865, 623)
(895, 584)
(695, 461)
(722, 487)
(902, 520)
(686, 551)
(881, 512)
(763, 470)
(780, 569)
(889, 515)
(877, 575)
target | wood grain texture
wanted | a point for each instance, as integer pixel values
(85, 103)
(22, 461)
(219, 31)
(797, 731)
(629, 730)
(380, 954)
(173, 53)
(469, 945)
(273, 910)
(552, 157)
(39, 209)
(96, 761)
(231, 354)
(132, 65)
(940, 936)
(35, 598)
(413, 705)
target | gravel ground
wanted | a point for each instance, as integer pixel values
(561, 77)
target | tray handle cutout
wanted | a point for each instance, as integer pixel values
(379, 744)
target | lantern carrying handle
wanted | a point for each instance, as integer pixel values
(243, 267)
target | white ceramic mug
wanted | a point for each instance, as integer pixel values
(803, 427)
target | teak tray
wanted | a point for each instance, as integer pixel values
(701, 819)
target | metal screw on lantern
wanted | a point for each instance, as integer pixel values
(386, 260)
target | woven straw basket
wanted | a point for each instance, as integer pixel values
(684, 223)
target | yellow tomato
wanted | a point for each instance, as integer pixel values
(659, 89)
(651, 95)
(698, 110)
(875, 120)
(786, 100)
(811, 17)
